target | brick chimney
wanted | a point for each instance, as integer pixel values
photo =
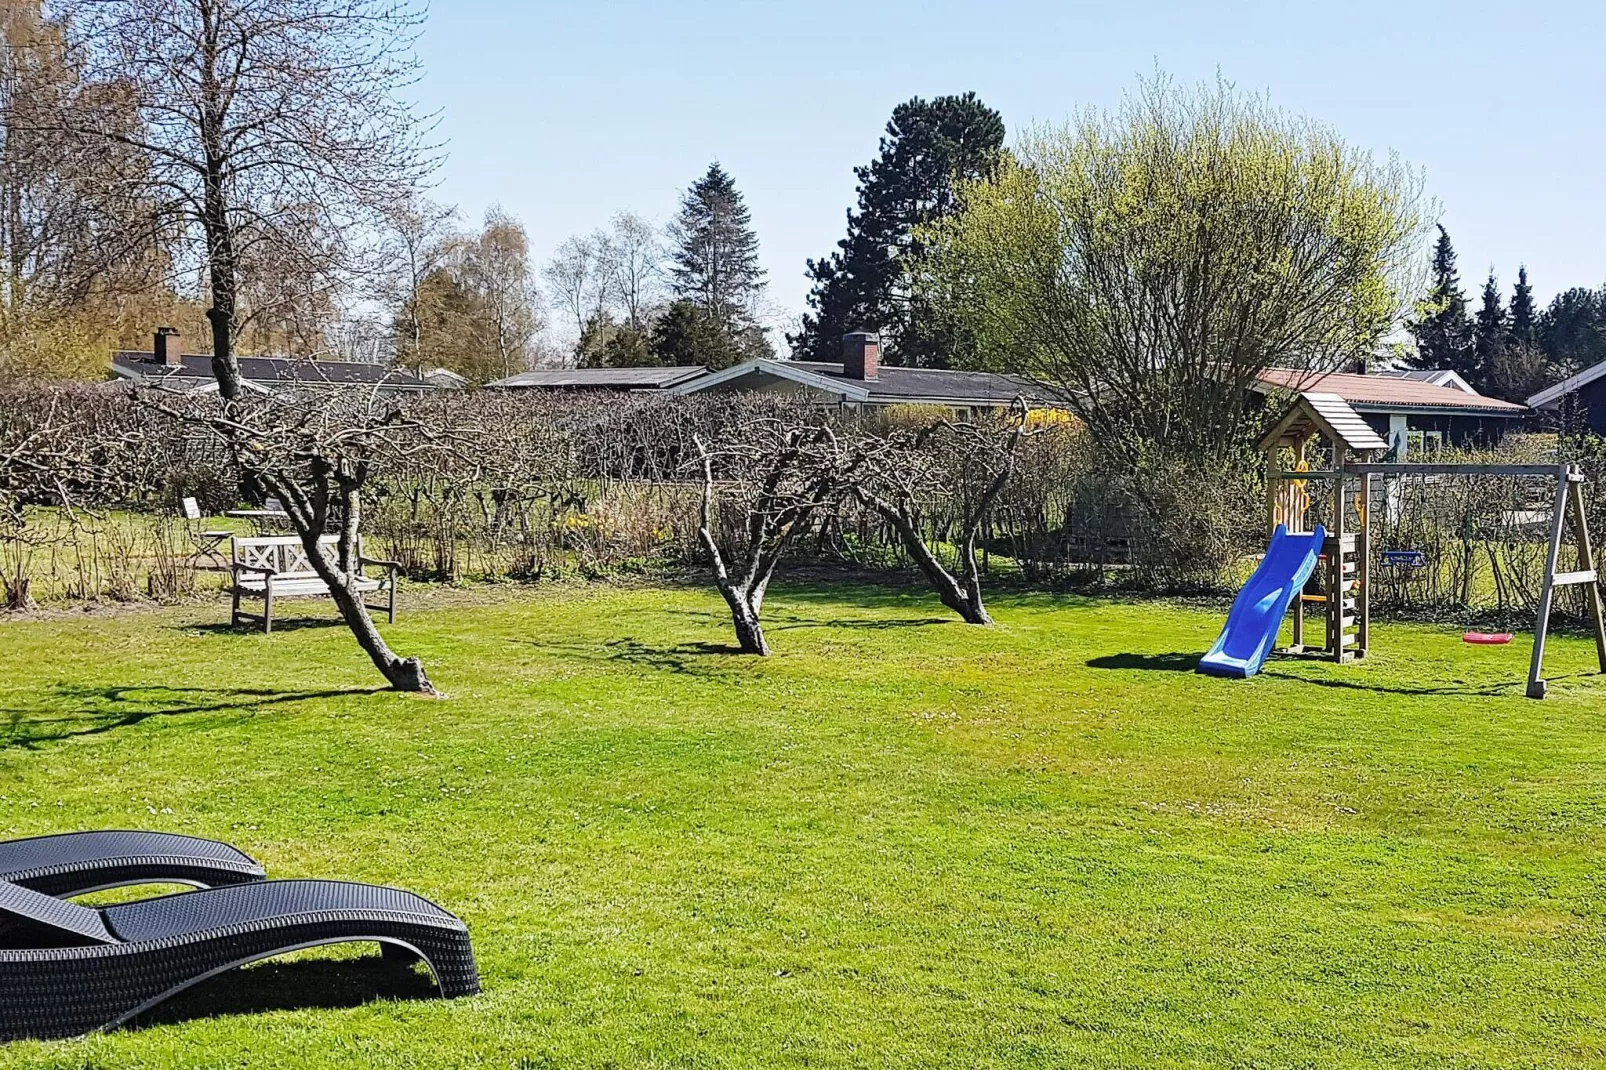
(861, 355)
(169, 351)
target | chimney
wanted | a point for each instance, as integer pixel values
(861, 355)
(169, 352)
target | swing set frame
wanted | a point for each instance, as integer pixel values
(1349, 555)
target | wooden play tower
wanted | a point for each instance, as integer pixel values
(1321, 428)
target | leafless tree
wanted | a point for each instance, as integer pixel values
(73, 233)
(765, 476)
(277, 134)
(967, 465)
(579, 277)
(498, 272)
(420, 238)
(262, 119)
(633, 256)
(317, 452)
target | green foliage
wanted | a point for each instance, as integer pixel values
(1441, 327)
(928, 147)
(1524, 316)
(1572, 330)
(896, 842)
(714, 261)
(684, 334)
(606, 343)
(1490, 335)
(1154, 261)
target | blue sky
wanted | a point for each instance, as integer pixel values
(565, 113)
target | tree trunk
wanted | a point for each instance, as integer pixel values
(404, 674)
(744, 616)
(964, 599)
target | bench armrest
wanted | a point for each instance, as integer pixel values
(394, 566)
(238, 568)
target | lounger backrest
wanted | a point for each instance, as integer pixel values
(192, 509)
(36, 910)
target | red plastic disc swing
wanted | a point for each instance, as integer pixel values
(1487, 638)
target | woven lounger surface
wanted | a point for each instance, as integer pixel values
(72, 969)
(73, 863)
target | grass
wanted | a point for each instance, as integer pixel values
(899, 842)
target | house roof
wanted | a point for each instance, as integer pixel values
(1549, 398)
(1436, 376)
(1376, 393)
(891, 386)
(600, 378)
(269, 371)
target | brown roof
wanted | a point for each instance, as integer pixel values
(1373, 393)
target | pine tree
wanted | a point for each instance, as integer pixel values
(1441, 328)
(1489, 337)
(1524, 316)
(715, 259)
(928, 146)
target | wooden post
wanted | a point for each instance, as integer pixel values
(1335, 562)
(1586, 564)
(1363, 594)
(1536, 682)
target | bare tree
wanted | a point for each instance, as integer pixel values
(579, 277)
(317, 452)
(771, 469)
(421, 238)
(498, 271)
(277, 134)
(73, 234)
(263, 119)
(634, 259)
(967, 465)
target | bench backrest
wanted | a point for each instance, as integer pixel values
(285, 554)
(192, 509)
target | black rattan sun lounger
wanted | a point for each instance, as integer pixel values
(67, 969)
(77, 862)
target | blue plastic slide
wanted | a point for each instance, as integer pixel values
(1258, 613)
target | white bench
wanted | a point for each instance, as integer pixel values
(271, 567)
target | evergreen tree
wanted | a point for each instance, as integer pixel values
(928, 145)
(686, 335)
(714, 264)
(1572, 331)
(1524, 317)
(1489, 336)
(1441, 328)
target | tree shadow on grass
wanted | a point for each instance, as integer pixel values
(1173, 662)
(791, 622)
(305, 984)
(70, 710)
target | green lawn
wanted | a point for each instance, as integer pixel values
(899, 842)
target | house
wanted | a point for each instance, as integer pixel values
(1409, 412)
(1580, 402)
(609, 380)
(860, 380)
(169, 367)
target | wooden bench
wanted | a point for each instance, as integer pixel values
(271, 567)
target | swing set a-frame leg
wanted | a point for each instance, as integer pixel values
(1569, 500)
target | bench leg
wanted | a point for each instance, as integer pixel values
(393, 598)
(267, 612)
(234, 610)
